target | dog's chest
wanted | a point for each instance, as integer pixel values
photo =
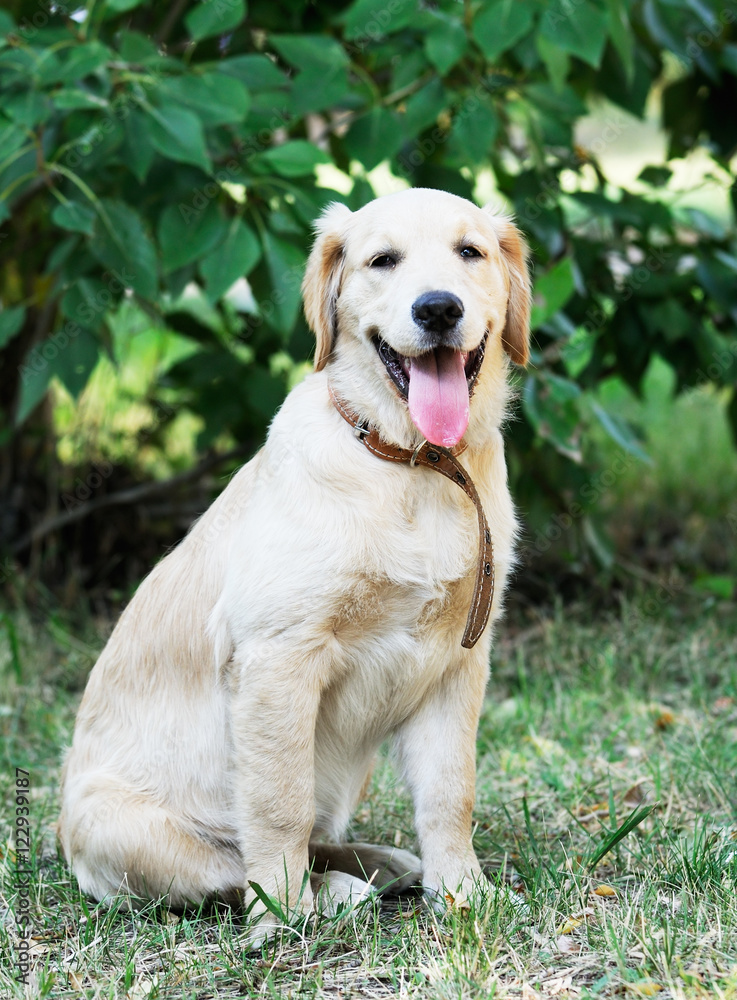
(401, 615)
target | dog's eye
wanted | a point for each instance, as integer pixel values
(469, 252)
(383, 260)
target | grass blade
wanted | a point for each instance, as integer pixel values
(638, 814)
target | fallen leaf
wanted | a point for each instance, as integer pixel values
(597, 807)
(645, 988)
(569, 945)
(76, 982)
(605, 890)
(635, 794)
(664, 719)
(568, 926)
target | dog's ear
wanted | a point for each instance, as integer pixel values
(516, 336)
(321, 284)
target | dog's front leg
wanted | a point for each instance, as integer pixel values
(273, 714)
(437, 749)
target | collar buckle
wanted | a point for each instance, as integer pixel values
(416, 452)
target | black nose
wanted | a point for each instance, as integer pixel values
(437, 312)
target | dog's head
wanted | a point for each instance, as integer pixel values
(421, 292)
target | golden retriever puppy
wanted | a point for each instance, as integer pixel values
(335, 595)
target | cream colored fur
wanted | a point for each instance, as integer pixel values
(315, 610)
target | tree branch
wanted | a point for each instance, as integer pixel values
(130, 496)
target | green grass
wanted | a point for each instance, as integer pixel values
(592, 728)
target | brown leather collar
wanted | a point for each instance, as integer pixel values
(444, 461)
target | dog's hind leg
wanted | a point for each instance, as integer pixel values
(122, 841)
(388, 869)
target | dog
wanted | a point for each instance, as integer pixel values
(335, 595)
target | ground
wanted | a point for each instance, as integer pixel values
(606, 817)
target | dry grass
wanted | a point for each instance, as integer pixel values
(591, 728)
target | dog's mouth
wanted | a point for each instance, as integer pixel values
(437, 385)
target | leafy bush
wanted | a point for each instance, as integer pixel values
(151, 155)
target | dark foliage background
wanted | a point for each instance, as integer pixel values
(151, 155)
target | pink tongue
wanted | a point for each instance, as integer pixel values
(438, 396)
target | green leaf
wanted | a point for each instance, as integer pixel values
(322, 61)
(12, 137)
(551, 291)
(119, 6)
(138, 150)
(285, 265)
(216, 99)
(311, 52)
(81, 61)
(263, 392)
(294, 159)
(178, 135)
(655, 176)
(551, 404)
(580, 30)
(255, 71)
(619, 431)
(35, 375)
(233, 259)
(137, 48)
(445, 45)
(474, 129)
(423, 108)
(28, 108)
(557, 62)
(368, 21)
(121, 244)
(500, 25)
(374, 137)
(186, 234)
(11, 321)
(74, 98)
(728, 58)
(622, 36)
(87, 301)
(74, 365)
(214, 17)
(74, 216)
(316, 90)
(717, 584)
(669, 318)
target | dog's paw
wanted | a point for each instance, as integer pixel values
(338, 892)
(268, 915)
(457, 893)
